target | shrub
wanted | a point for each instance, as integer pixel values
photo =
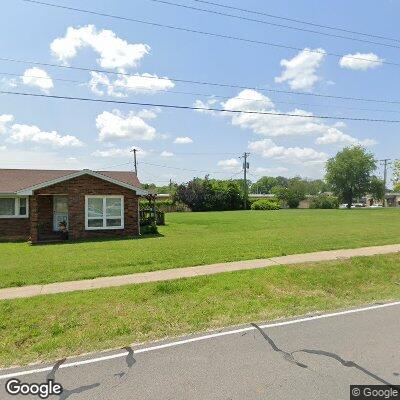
(324, 201)
(266, 204)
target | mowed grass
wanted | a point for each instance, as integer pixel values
(201, 238)
(55, 326)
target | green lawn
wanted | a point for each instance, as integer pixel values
(201, 238)
(54, 326)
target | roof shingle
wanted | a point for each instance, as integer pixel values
(13, 180)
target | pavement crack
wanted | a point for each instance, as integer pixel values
(52, 374)
(345, 363)
(130, 361)
(286, 356)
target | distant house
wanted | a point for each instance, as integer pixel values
(36, 204)
(392, 199)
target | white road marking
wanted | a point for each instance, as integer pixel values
(198, 339)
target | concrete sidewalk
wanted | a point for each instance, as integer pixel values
(170, 274)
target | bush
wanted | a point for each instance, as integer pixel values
(210, 195)
(324, 201)
(266, 204)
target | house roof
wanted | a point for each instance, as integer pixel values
(18, 180)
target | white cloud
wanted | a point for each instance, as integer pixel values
(4, 120)
(274, 171)
(360, 61)
(2, 148)
(114, 52)
(101, 84)
(30, 133)
(39, 78)
(115, 125)
(183, 140)
(210, 103)
(335, 136)
(300, 71)
(284, 125)
(267, 124)
(267, 148)
(166, 153)
(229, 165)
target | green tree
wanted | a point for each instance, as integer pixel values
(396, 176)
(377, 188)
(350, 173)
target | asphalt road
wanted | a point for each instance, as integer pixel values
(309, 359)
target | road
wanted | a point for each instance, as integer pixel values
(317, 357)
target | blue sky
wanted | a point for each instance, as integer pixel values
(47, 133)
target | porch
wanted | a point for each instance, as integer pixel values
(47, 212)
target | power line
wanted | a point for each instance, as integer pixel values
(296, 20)
(80, 82)
(179, 107)
(205, 83)
(184, 169)
(210, 34)
(272, 23)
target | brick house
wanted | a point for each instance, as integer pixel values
(91, 204)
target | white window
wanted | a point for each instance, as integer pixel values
(13, 207)
(104, 212)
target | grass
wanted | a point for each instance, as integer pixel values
(55, 326)
(200, 238)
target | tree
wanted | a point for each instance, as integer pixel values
(291, 195)
(377, 188)
(396, 175)
(350, 173)
(210, 194)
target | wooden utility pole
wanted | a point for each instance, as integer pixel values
(245, 168)
(134, 160)
(385, 162)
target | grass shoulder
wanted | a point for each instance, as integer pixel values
(50, 327)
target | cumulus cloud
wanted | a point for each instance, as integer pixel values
(300, 71)
(20, 133)
(101, 84)
(116, 126)
(113, 51)
(335, 136)
(4, 120)
(166, 153)
(183, 140)
(39, 78)
(360, 61)
(229, 165)
(274, 171)
(269, 149)
(210, 103)
(270, 125)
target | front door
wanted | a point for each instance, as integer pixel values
(60, 211)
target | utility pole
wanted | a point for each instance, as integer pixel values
(245, 168)
(134, 159)
(385, 162)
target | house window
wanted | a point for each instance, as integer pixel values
(104, 212)
(13, 207)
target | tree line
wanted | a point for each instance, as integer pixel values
(349, 176)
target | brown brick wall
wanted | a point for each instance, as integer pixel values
(76, 189)
(14, 228)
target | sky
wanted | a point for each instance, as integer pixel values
(148, 61)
